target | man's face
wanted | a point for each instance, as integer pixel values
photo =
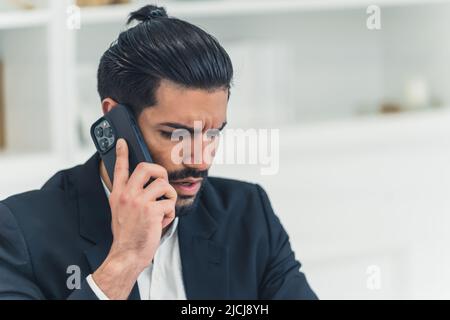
(180, 108)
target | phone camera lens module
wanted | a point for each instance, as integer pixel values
(108, 132)
(104, 144)
(98, 132)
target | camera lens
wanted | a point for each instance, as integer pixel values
(104, 144)
(98, 132)
(108, 132)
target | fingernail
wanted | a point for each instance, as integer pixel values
(119, 144)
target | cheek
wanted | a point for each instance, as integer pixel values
(161, 151)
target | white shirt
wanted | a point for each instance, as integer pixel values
(162, 279)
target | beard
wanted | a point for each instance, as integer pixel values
(187, 204)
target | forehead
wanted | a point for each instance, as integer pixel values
(186, 105)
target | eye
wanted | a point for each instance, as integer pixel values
(166, 134)
(212, 133)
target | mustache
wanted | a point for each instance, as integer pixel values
(187, 173)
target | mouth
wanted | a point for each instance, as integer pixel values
(187, 187)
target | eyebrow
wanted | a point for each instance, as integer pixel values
(190, 129)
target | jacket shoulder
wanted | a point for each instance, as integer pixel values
(53, 195)
(235, 195)
(230, 189)
(231, 185)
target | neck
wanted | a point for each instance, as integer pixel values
(105, 176)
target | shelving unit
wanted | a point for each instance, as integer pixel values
(226, 8)
(56, 64)
(27, 19)
(64, 53)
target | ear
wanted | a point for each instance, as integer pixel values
(108, 104)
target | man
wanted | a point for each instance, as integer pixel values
(208, 238)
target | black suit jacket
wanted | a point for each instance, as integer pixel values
(232, 246)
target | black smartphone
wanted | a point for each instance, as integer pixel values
(119, 123)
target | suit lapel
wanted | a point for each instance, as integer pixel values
(204, 262)
(95, 215)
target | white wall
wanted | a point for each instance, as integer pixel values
(371, 192)
(415, 44)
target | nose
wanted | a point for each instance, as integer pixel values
(200, 157)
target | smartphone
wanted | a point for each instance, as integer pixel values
(119, 123)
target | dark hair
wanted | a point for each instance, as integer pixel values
(160, 47)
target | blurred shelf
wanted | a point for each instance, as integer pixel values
(197, 8)
(23, 19)
(414, 128)
(389, 128)
(423, 130)
(10, 160)
(217, 8)
(23, 172)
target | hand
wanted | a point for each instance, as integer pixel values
(138, 219)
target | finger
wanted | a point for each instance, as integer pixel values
(168, 208)
(167, 220)
(142, 174)
(159, 188)
(121, 168)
